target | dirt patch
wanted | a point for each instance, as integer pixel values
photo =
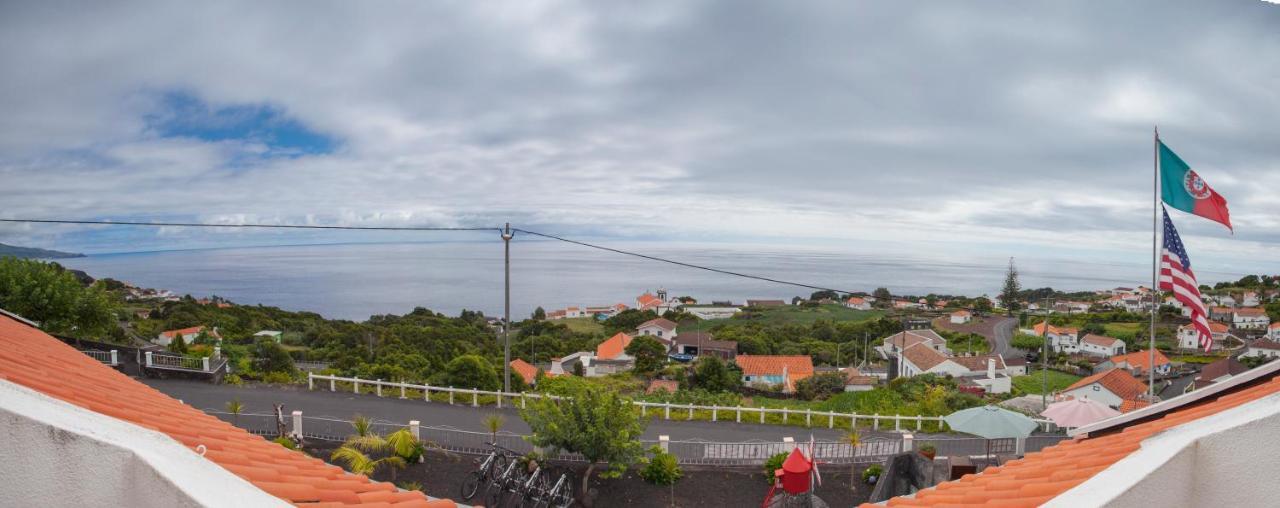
(443, 473)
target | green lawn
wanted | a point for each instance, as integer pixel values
(583, 325)
(792, 314)
(1033, 383)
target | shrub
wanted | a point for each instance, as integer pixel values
(820, 386)
(277, 378)
(410, 485)
(773, 464)
(285, 442)
(662, 468)
(875, 470)
(233, 379)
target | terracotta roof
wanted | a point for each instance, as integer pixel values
(1117, 381)
(525, 369)
(1133, 405)
(613, 346)
(1100, 340)
(1273, 326)
(1041, 476)
(184, 331)
(1265, 344)
(853, 377)
(1251, 312)
(1139, 359)
(923, 356)
(662, 384)
(663, 323)
(647, 300)
(855, 300)
(1063, 330)
(961, 313)
(34, 359)
(979, 362)
(763, 365)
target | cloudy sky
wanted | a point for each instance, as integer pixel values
(1015, 127)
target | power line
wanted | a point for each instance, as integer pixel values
(261, 226)
(681, 263)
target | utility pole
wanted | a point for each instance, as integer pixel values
(506, 321)
(1044, 358)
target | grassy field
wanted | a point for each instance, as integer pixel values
(792, 314)
(1033, 383)
(968, 343)
(583, 325)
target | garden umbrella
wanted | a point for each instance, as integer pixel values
(991, 422)
(1078, 412)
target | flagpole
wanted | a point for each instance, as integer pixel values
(1155, 262)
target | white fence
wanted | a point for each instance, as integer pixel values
(807, 417)
(179, 362)
(111, 358)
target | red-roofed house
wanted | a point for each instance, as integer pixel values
(64, 415)
(857, 303)
(526, 371)
(1262, 348)
(1137, 363)
(1064, 339)
(1250, 319)
(1112, 388)
(1189, 339)
(775, 370)
(661, 327)
(648, 301)
(188, 334)
(961, 317)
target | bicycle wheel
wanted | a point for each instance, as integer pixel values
(471, 485)
(498, 466)
(493, 495)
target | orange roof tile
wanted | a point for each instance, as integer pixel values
(1251, 312)
(923, 356)
(1059, 330)
(613, 346)
(525, 370)
(1140, 359)
(34, 359)
(184, 331)
(771, 365)
(1041, 476)
(1117, 381)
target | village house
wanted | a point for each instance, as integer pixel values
(961, 317)
(1137, 363)
(1225, 300)
(526, 371)
(894, 344)
(1223, 314)
(1113, 387)
(857, 303)
(661, 328)
(1063, 339)
(274, 335)
(1189, 338)
(782, 371)
(1250, 319)
(1015, 365)
(919, 359)
(1101, 345)
(188, 334)
(1218, 372)
(1262, 348)
(611, 356)
(697, 344)
(1250, 299)
(565, 364)
(855, 381)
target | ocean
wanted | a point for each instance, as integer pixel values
(354, 281)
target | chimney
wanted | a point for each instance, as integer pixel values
(991, 368)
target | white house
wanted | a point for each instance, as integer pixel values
(1189, 339)
(858, 303)
(1064, 339)
(1250, 319)
(1250, 299)
(564, 365)
(188, 334)
(268, 334)
(1101, 345)
(961, 317)
(897, 342)
(987, 371)
(1113, 388)
(1263, 348)
(661, 328)
(1226, 300)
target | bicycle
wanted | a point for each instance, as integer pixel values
(488, 469)
(535, 488)
(510, 482)
(560, 495)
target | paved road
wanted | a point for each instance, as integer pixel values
(342, 405)
(1003, 336)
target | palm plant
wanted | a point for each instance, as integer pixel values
(494, 423)
(854, 438)
(235, 407)
(361, 424)
(360, 463)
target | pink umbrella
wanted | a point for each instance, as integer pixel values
(1078, 412)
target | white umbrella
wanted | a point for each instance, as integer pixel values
(1078, 412)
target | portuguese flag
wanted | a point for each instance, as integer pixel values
(1183, 189)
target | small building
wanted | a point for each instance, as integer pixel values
(777, 370)
(961, 317)
(1250, 318)
(611, 356)
(565, 365)
(526, 370)
(1101, 345)
(857, 303)
(1262, 348)
(274, 335)
(1189, 338)
(1113, 387)
(188, 334)
(662, 328)
(1015, 365)
(696, 344)
(896, 343)
(1137, 363)
(1223, 314)
(855, 381)
(1064, 339)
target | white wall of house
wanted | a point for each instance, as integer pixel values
(712, 312)
(1261, 352)
(1250, 322)
(1096, 392)
(1115, 349)
(949, 367)
(998, 384)
(961, 319)
(656, 331)
(1064, 342)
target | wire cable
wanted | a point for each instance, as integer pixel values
(682, 263)
(261, 226)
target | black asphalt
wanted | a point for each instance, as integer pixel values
(390, 408)
(1003, 336)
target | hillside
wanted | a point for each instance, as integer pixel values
(33, 252)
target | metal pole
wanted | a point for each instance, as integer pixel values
(1155, 260)
(506, 324)
(1044, 361)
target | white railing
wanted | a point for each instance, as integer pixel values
(662, 409)
(111, 358)
(171, 361)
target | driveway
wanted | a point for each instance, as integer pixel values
(390, 408)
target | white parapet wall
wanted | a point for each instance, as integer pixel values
(53, 453)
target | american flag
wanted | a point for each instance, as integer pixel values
(1176, 276)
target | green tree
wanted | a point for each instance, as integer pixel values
(1027, 342)
(539, 314)
(272, 357)
(824, 294)
(820, 386)
(471, 371)
(648, 352)
(54, 298)
(594, 422)
(883, 297)
(178, 345)
(1009, 293)
(981, 304)
(627, 320)
(712, 374)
